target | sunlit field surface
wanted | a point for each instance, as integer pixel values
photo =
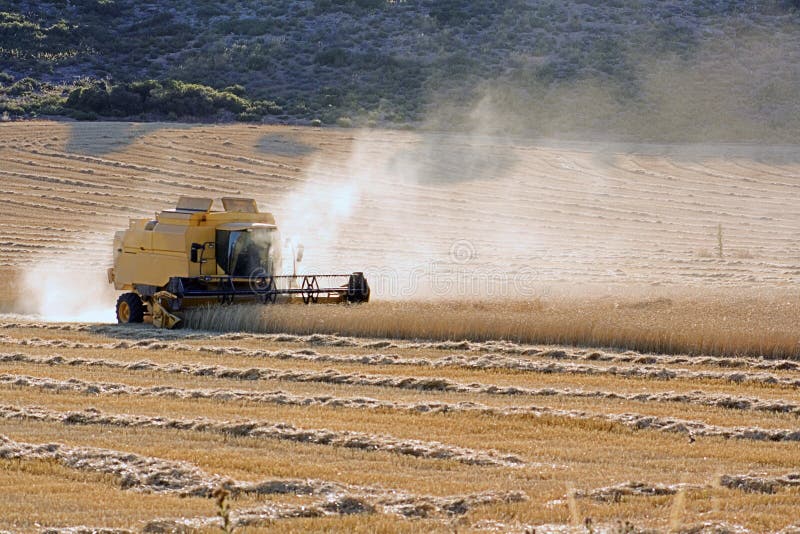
(558, 333)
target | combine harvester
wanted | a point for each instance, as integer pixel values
(193, 256)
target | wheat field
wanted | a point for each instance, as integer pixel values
(563, 337)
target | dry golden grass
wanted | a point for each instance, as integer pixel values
(711, 324)
(40, 494)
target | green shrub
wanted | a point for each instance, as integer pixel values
(266, 107)
(171, 97)
(104, 7)
(235, 89)
(143, 87)
(33, 45)
(24, 86)
(16, 29)
(348, 6)
(333, 57)
(183, 99)
(207, 8)
(83, 115)
(50, 105)
(91, 98)
(124, 101)
(60, 34)
(6, 78)
(229, 102)
(12, 108)
(251, 26)
(248, 116)
(344, 122)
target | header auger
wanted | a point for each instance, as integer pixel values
(193, 256)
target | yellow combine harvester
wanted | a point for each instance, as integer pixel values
(194, 256)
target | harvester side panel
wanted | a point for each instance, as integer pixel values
(169, 238)
(148, 268)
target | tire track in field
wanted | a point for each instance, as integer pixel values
(631, 420)
(278, 431)
(147, 474)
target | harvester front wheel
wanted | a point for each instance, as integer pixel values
(130, 308)
(357, 288)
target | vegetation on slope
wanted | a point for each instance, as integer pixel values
(635, 68)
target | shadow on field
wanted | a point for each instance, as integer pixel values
(442, 159)
(101, 138)
(607, 152)
(283, 145)
(139, 332)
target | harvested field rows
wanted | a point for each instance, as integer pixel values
(299, 446)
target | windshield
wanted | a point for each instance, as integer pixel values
(250, 252)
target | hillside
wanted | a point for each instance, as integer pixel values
(627, 69)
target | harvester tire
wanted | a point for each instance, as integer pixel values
(357, 288)
(130, 308)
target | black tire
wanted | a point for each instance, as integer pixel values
(135, 309)
(357, 288)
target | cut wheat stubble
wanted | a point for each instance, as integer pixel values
(631, 420)
(271, 430)
(156, 475)
(148, 337)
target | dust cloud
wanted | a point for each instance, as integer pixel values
(385, 209)
(315, 213)
(528, 184)
(733, 83)
(68, 287)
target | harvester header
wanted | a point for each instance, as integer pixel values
(193, 255)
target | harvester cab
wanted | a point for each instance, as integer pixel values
(194, 256)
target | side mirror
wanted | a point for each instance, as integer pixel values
(195, 256)
(300, 249)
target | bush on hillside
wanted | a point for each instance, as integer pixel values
(348, 6)
(15, 28)
(167, 98)
(236, 89)
(103, 7)
(332, 57)
(24, 86)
